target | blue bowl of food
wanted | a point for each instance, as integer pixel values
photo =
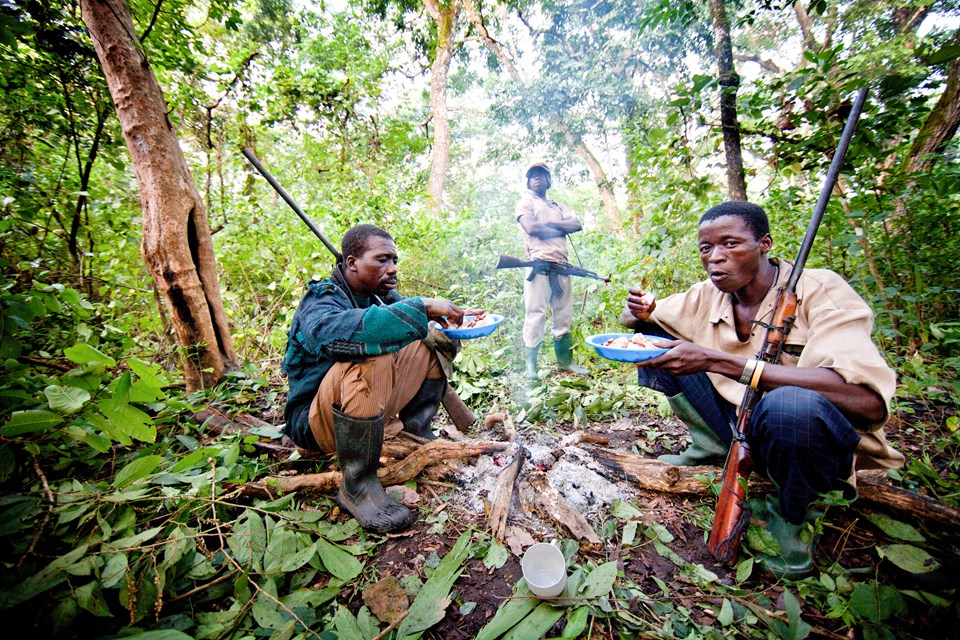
(627, 347)
(475, 326)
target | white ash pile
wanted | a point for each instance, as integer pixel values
(558, 489)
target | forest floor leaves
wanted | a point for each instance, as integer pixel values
(669, 585)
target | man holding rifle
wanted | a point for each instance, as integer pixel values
(821, 415)
(546, 225)
(362, 362)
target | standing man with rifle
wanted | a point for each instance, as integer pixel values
(823, 405)
(363, 364)
(546, 224)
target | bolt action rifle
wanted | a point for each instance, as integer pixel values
(461, 415)
(733, 513)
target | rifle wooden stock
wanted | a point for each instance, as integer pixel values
(733, 513)
(460, 414)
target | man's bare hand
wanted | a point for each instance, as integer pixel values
(682, 358)
(443, 311)
(640, 303)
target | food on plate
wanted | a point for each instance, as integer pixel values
(481, 320)
(636, 341)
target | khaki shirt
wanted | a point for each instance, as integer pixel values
(543, 210)
(832, 330)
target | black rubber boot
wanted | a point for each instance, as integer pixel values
(359, 442)
(421, 409)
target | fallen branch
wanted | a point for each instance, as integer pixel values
(220, 424)
(872, 485)
(435, 451)
(319, 483)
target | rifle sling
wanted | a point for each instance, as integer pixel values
(550, 270)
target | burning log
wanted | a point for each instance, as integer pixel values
(433, 452)
(543, 497)
(656, 475)
(503, 495)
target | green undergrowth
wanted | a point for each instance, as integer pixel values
(124, 515)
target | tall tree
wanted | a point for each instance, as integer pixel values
(176, 246)
(729, 82)
(446, 13)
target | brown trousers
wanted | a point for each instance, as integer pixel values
(378, 385)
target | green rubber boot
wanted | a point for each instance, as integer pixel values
(705, 446)
(563, 348)
(359, 443)
(795, 558)
(530, 356)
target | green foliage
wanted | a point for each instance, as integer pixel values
(118, 514)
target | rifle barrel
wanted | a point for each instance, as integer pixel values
(831, 181)
(293, 205)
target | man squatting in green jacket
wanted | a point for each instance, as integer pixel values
(357, 361)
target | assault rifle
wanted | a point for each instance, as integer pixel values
(733, 513)
(546, 267)
(461, 415)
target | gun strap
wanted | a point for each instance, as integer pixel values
(550, 270)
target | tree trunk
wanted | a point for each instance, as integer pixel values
(937, 130)
(940, 125)
(447, 14)
(729, 82)
(176, 245)
(607, 195)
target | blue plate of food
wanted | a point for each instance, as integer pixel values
(475, 326)
(627, 347)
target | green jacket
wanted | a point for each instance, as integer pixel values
(328, 328)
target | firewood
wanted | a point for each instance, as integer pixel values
(503, 495)
(872, 485)
(319, 483)
(544, 498)
(435, 451)
(656, 475)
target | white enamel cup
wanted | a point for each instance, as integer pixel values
(544, 569)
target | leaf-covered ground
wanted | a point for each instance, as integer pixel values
(667, 583)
